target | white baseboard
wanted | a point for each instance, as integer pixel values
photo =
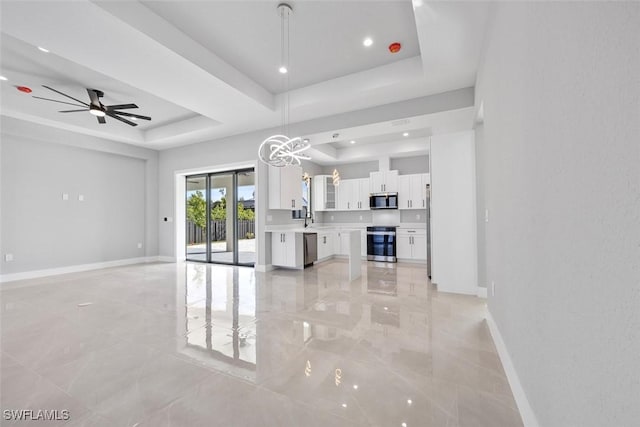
(165, 259)
(264, 268)
(526, 411)
(481, 292)
(4, 278)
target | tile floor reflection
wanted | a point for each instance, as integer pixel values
(208, 345)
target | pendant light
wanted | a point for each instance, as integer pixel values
(280, 150)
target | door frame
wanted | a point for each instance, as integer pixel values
(179, 219)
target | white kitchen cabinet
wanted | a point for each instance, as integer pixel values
(363, 242)
(361, 194)
(341, 243)
(413, 191)
(286, 249)
(285, 187)
(324, 193)
(345, 193)
(353, 194)
(383, 182)
(412, 244)
(325, 245)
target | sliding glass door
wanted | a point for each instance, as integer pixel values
(221, 217)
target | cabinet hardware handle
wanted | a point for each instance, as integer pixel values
(423, 203)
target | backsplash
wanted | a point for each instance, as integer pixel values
(353, 217)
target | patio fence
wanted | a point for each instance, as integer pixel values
(197, 234)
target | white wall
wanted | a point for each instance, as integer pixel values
(453, 213)
(42, 231)
(560, 84)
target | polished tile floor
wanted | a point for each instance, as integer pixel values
(193, 344)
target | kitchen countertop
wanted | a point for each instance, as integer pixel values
(329, 227)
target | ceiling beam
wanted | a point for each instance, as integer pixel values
(115, 48)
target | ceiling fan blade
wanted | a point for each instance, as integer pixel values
(72, 111)
(93, 96)
(55, 100)
(64, 94)
(120, 107)
(101, 120)
(122, 113)
(110, 114)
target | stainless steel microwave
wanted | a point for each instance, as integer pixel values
(383, 201)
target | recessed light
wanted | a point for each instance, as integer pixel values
(404, 424)
(305, 141)
(409, 401)
(344, 405)
(355, 386)
(41, 49)
(352, 141)
(283, 70)
(367, 42)
(132, 118)
(405, 134)
(417, 3)
(3, 78)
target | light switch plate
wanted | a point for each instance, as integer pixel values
(81, 197)
(139, 245)
(8, 257)
(486, 215)
(65, 196)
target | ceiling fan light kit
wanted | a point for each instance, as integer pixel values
(280, 150)
(97, 108)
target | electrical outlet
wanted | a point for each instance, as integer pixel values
(269, 218)
(8, 257)
(493, 288)
(139, 245)
(331, 217)
(81, 197)
(360, 217)
(65, 196)
(417, 216)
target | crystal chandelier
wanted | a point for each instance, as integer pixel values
(280, 150)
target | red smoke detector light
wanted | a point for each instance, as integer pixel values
(395, 47)
(24, 89)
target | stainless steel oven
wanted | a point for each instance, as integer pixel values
(381, 244)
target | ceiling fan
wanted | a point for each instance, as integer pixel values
(96, 107)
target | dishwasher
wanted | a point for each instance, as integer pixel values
(310, 244)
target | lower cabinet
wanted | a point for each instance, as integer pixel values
(286, 250)
(325, 245)
(342, 242)
(412, 244)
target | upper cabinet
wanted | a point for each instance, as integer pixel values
(285, 187)
(353, 194)
(324, 193)
(413, 191)
(383, 182)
